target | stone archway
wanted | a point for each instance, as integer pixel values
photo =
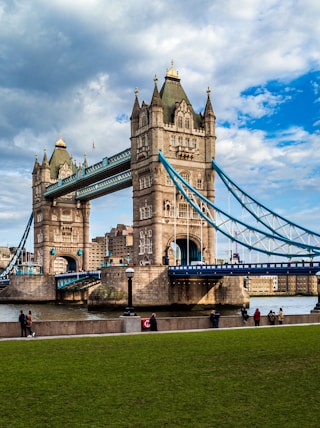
(62, 264)
(194, 254)
(177, 251)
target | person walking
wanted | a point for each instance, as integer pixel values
(280, 316)
(29, 325)
(23, 324)
(257, 317)
(153, 322)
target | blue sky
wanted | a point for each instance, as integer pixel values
(71, 68)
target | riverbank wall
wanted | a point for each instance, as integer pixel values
(119, 325)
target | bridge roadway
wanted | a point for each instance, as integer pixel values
(236, 269)
(68, 278)
(245, 269)
(110, 167)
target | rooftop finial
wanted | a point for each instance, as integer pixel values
(60, 142)
(209, 91)
(155, 79)
(136, 92)
(172, 72)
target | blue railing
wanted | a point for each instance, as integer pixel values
(105, 164)
(64, 279)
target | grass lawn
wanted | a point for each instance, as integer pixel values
(254, 377)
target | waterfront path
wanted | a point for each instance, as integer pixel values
(73, 336)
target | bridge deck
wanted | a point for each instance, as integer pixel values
(246, 269)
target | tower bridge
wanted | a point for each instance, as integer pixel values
(171, 168)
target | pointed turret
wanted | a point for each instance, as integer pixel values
(208, 111)
(36, 165)
(45, 168)
(156, 99)
(209, 117)
(156, 108)
(85, 161)
(45, 162)
(135, 113)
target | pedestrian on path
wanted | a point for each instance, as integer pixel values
(23, 323)
(257, 317)
(244, 314)
(271, 317)
(153, 322)
(214, 318)
(29, 325)
(280, 316)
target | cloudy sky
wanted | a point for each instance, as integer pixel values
(71, 67)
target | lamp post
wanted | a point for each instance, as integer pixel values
(317, 307)
(129, 310)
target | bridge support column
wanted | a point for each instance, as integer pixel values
(86, 237)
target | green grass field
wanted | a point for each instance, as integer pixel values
(255, 377)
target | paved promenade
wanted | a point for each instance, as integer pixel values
(213, 330)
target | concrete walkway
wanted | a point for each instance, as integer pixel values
(72, 336)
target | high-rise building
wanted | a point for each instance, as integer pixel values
(119, 245)
(97, 252)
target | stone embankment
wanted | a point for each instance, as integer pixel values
(135, 324)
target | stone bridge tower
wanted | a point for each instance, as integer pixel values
(61, 226)
(166, 229)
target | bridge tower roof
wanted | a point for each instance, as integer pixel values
(59, 157)
(172, 93)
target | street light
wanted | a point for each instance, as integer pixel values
(129, 310)
(317, 307)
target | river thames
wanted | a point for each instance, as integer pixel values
(292, 305)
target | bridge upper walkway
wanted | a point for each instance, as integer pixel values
(118, 164)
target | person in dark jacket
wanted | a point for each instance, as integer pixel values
(23, 323)
(214, 318)
(153, 322)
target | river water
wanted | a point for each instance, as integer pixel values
(291, 305)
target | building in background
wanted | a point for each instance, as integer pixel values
(5, 257)
(119, 245)
(97, 252)
(262, 285)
